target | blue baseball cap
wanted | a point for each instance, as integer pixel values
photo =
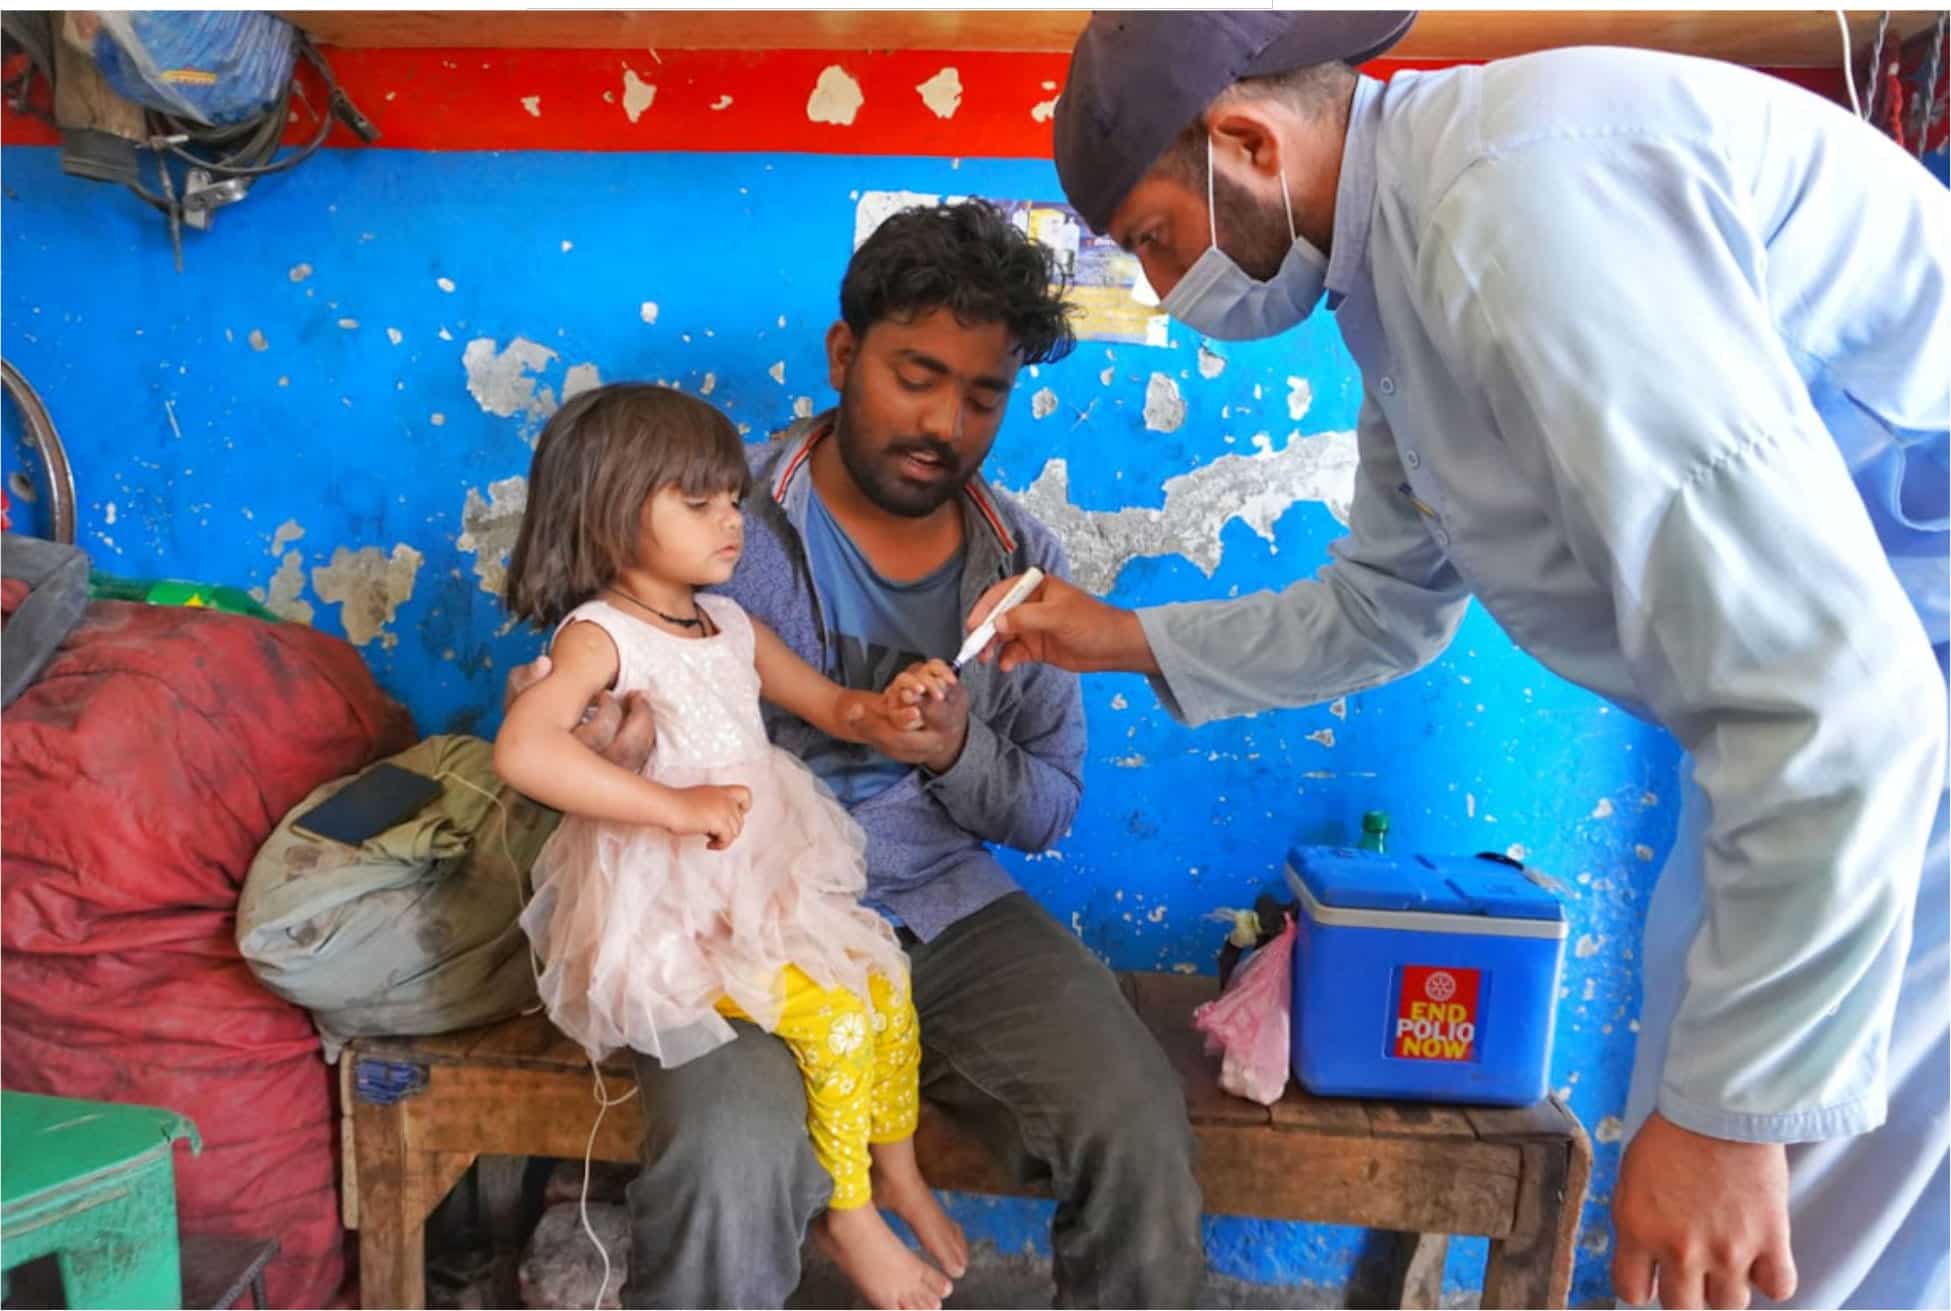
(1138, 77)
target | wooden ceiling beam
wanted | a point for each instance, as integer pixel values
(1766, 38)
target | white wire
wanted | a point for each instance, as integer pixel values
(1849, 65)
(603, 1103)
(603, 1099)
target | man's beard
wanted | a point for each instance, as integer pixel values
(1252, 230)
(877, 481)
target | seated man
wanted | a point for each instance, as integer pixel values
(869, 535)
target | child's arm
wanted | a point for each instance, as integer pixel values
(537, 752)
(792, 684)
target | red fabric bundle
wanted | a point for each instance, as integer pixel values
(140, 775)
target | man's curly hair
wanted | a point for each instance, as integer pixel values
(966, 258)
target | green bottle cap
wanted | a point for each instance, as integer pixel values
(1375, 821)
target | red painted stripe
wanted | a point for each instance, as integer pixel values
(798, 459)
(983, 503)
(474, 100)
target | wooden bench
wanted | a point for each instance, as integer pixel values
(419, 1110)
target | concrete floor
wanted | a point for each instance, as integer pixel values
(1008, 1282)
(561, 1269)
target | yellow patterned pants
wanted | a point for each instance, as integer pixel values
(862, 1066)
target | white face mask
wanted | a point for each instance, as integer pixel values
(1217, 298)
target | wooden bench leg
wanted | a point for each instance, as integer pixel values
(1418, 1275)
(399, 1186)
(1533, 1267)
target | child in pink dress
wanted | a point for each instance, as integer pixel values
(724, 881)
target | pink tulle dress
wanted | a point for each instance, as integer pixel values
(640, 932)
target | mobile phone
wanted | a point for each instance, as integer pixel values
(378, 799)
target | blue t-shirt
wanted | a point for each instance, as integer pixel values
(875, 628)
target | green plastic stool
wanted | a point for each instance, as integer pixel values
(94, 1184)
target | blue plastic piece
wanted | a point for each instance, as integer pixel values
(382, 1083)
(1389, 1003)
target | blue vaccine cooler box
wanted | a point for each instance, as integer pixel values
(1431, 978)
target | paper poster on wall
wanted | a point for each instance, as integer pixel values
(1113, 302)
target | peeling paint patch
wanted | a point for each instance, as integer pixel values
(1128, 762)
(1043, 404)
(778, 372)
(348, 324)
(288, 532)
(1339, 707)
(1611, 1129)
(1256, 489)
(445, 284)
(299, 272)
(533, 104)
(568, 246)
(637, 95)
(1118, 702)
(1300, 398)
(1043, 110)
(1165, 409)
(836, 98)
(504, 382)
(1604, 809)
(580, 378)
(1323, 737)
(1211, 362)
(395, 336)
(709, 385)
(802, 407)
(1643, 851)
(108, 514)
(648, 311)
(437, 419)
(1105, 377)
(942, 93)
(281, 598)
(723, 102)
(1588, 947)
(257, 340)
(1470, 804)
(1516, 852)
(489, 528)
(369, 588)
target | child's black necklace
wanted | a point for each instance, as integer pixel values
(696, 621)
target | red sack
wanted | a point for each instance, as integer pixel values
(140, 774)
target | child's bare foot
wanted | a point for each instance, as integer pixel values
(899, 1187)
(880, 1265)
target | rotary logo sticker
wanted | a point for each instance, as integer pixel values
(1436, 1014)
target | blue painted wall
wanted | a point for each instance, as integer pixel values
(192, 447)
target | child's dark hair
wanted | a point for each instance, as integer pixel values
(967, 258)
(604, 454)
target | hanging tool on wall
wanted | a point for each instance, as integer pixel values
(1929, 91)
(209, 94)
(1902, 93)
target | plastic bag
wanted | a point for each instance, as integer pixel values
(213, 66)
(1248, 1023)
